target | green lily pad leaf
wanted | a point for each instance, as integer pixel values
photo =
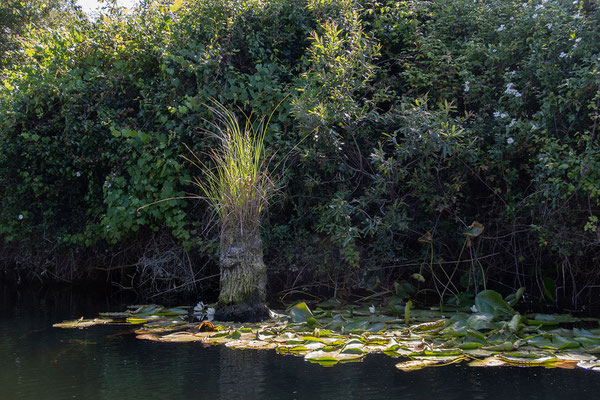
(513, 299)
(330, 358)
(506, 346)
(356, 326)
(552, 319)
(574, 356)
(83, 323)
(492, 361)
(312, 322)
(331, 303)
(592, 365)
(236, 334)
(475, 336)
(353, 349)
(515, 323)
(429, 326)
(479, 353)
(300, 313)
(563, 343)
(181, 337)
(251, 344)
(115, 315)
(490, 301)
(172, 312)
(378, 327)
(147, 309)
(470, 346)
(541, 342)
(481, 321)
(474, 230)
(527, 361)
(133, 320)
(415, 365)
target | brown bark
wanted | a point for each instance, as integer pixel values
(243, 276)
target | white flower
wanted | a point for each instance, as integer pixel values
(467, 87)
(578, 40)
(562, 54)
(512, 123)
(577, 16)
(77, 174)
(503, 115)
(534, 127)
(500, 28)
(199, 306)
(511, 90)
(372, 309)
(496, 114)
(210, 314)
(510, 140)
(534, 16)
(20, 216)
(474, 308)
(539, 7)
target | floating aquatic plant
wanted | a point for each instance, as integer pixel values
(495, 335)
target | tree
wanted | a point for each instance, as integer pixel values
(238, 188)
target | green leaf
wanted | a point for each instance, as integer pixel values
(490, 301)
(513, 299)
(515, 323)
(300, 313)
(407, 312)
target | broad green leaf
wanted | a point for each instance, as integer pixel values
(490, 301)
(300, 313)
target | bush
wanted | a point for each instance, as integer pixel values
(404, 120)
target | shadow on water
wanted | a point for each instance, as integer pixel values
(43, 363)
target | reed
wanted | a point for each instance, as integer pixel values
(237, 185)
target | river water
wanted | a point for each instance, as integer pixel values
(44, 363)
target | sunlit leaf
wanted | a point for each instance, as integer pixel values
(300, 313)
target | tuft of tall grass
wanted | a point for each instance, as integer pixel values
(237, 185)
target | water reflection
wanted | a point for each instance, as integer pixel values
(42, 363)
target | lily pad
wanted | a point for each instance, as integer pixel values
(300, 313)
(490, 301)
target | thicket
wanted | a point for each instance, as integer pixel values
(433, 147)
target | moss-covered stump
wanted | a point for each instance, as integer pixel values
(243, 277)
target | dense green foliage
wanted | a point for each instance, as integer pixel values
(406, 121)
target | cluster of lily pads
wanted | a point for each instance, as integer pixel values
(492, 333)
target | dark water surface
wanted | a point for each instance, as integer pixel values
(43, 363)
